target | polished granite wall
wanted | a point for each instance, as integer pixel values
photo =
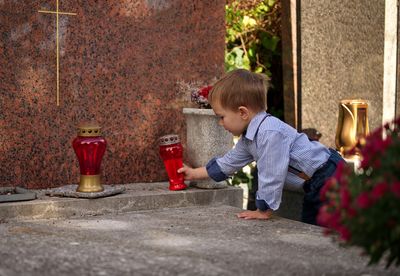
(341, 52)
(121, 63)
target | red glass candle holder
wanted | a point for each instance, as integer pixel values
(171, 152)
(89, 147)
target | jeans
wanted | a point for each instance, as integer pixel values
(312, 187)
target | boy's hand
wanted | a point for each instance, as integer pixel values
(257, 214)
(193, 174)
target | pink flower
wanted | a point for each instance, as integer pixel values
(349, 197)
(363, 200)
(377, 163)
(379, 190)
(345, 197)
(334, 221)
(396, 189)
(340, 170)
(329, 184)
(344, 233)
(323, 216)
(205, 91)
(351, 212)
(365, 162)
(200, 96)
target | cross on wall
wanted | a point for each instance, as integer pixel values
(57, 12)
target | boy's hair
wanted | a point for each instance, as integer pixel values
(240, 88)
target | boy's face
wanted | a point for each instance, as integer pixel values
(233, 121)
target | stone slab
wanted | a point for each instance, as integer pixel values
(70, 191)
(140, 196)
(209, 184)
(196, 240)
(11, 194)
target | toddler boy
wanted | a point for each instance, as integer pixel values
(282, 154)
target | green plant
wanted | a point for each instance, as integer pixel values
(252, 34)
(362, 208)
(242, 176)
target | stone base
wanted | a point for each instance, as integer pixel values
(10, 194)
(208, 184)
(205, 138)
(70, 191)
(292, 203)
(136, 197)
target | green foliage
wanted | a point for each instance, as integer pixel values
(252, 34)
(241, 177)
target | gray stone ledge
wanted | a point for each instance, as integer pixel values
(138, 196)
(197, 240)
(198, 111)
(12, 194)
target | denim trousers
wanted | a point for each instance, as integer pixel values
(312, 187)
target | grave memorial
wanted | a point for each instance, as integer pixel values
(118, 63)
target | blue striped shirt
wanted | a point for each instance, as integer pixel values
(275, 146)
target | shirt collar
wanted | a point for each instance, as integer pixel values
(254, 125)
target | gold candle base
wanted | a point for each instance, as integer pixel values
(90, 184)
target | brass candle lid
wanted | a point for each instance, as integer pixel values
(89, 130)
(355, 102)
(169, 139)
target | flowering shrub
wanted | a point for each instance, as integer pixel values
(362, 208)
(200, 96)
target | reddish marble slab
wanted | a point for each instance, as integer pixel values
(120, 62)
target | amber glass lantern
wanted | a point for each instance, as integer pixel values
(89, 147)
(171, 152)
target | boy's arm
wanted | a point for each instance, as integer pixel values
(221, 168)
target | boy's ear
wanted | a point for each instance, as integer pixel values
(244, 112)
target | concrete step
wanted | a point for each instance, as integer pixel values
(137, 196)
(194, 240)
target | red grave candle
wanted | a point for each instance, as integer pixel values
(171, 152)
(89, 147)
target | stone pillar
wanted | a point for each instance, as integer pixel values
(398, 65)
(289, 62)
(390, 61)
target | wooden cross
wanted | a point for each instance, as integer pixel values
(57, 13)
